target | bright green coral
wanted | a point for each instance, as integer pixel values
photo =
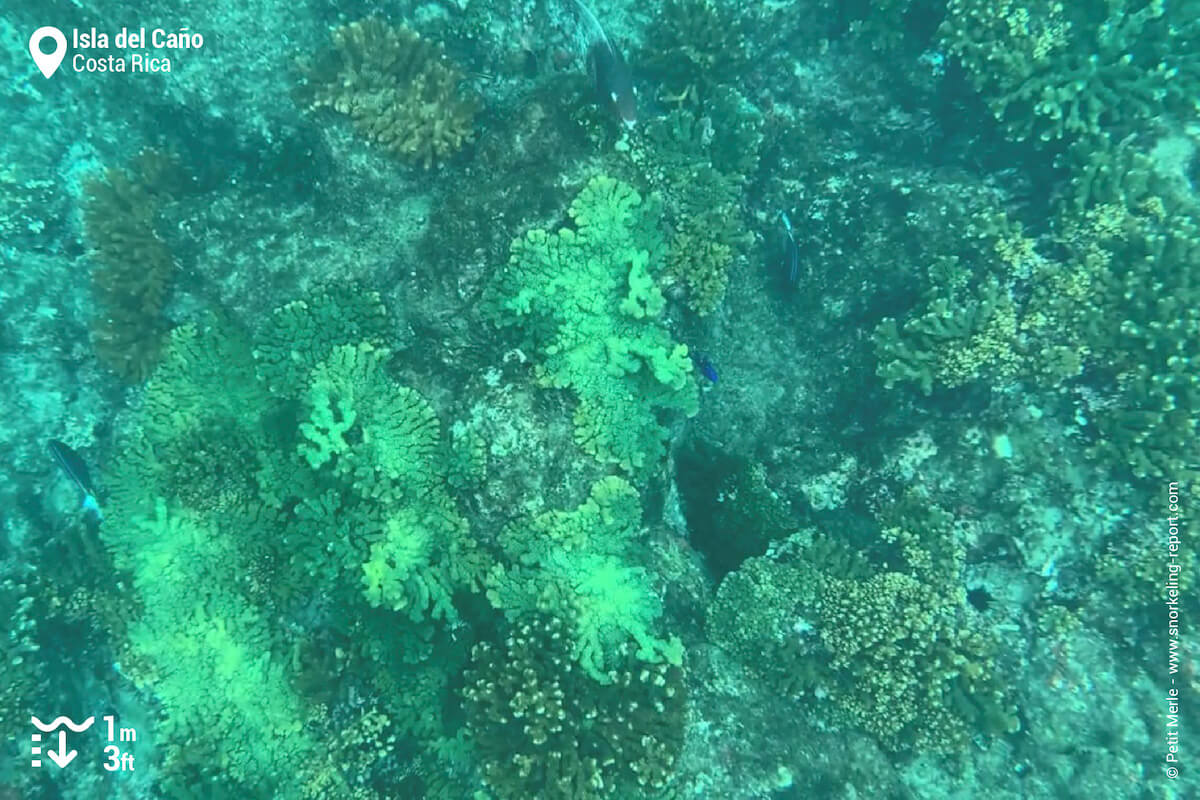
(251, 490)
(384, 435)
(582, 565)
(587, 302)
(227, 703)
(422, 559)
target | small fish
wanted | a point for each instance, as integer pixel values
(72, 464)
(791, 253)
(705, 365)
(610, 73)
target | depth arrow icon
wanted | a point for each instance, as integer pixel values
(59, 758)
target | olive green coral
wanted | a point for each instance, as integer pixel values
(894, 653)
(695, 44)
(399, 89)
(1135, 236)
(134, 265)
(543, 729)
(951, 345)
(699, 162)
(1054, 69)
(301, 334)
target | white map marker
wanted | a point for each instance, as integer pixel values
(47, 62)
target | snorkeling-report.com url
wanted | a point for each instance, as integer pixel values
(1175, 562)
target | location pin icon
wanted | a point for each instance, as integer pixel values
(47, 62)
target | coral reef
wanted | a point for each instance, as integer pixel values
(694, 45)
(1051, 70)
(1135, 249)
(952, 344)
(259, 480)
(587, 303)
(543, 729)
(1112, 283)
(459, 552)
(582, 565)
(968, 328)
(303, 333)
(134, 266)
(399, 90)
(679, 156)
(915, 672)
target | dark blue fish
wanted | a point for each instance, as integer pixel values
(705, 365)
(610, 73)
(790, 258)
(72, 464)
(613, 80)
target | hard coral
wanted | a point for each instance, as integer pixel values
(134, 265)
(373, 430)
(679, 156)
(583, 564)
(587, 301)
(1137, 241)
(1052, 69)
(543, 729)
(894, 653)
(399, 89)
(301, 334)
(696, 44)
(277, 473)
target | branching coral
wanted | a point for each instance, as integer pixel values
(227, 702)
(384, 436)
(134, 266)
(952, 345)
(696, 44)
(1051, 69)
(679, 155)
(306, 477)
(301, 334)
(1134, 238)
(400, 90)
(545, 730)
(971, 326)
(911, 668)
(415, 567)
(1115, 309)
(582, 564)
(587, 302)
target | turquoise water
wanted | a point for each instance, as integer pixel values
(489, 399)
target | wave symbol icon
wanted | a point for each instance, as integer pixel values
(87, 723)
